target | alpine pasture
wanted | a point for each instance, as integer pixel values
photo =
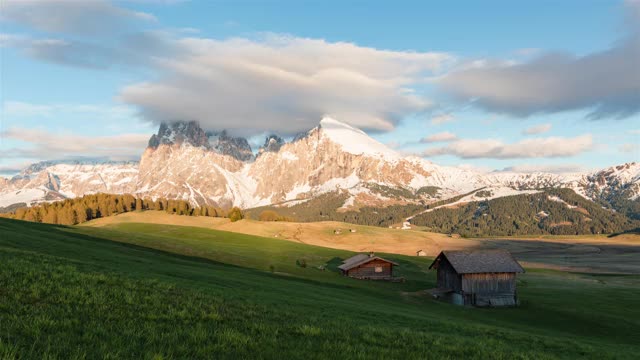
(135, 290)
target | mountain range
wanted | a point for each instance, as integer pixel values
(183, 161)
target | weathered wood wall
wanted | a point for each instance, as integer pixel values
(368, 270)
(448, 278)
(489, 283)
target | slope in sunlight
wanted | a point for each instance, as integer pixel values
(143, 291)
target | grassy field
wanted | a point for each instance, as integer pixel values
(588, 253)
(153, 291)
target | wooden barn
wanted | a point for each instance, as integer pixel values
(477, 278)
(367, 266)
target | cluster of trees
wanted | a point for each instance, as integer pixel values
(271, 215)
(528, 214)
(235, 214)
(325, 208)
(88, 207)
(622, 202)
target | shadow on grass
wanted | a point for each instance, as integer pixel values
(62, 241)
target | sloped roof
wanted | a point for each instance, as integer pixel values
(360, 259)
(480, 261)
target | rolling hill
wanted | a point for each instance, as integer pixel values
(161, 291)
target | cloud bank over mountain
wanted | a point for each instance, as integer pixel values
(284, 84)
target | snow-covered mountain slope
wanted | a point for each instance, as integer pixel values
(355, 141)
(50, 181)
(183, 161)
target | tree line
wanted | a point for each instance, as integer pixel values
(89, 207)
(528, 214)
(326, 207)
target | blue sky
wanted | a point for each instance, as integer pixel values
(493, 85)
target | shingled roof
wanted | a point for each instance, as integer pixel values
(360, 259)
(480, 261)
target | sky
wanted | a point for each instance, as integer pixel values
(490, 86)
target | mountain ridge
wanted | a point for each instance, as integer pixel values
(184, 162)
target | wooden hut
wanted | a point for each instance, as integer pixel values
(478, 278)
(421, 253)
(367, 266)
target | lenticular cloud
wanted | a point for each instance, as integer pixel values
(284, 84)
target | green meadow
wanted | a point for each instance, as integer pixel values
(152, 291)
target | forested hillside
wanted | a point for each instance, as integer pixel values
(555, 211)
(326, 207)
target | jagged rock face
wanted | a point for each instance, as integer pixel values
(235, 147)
(179, 133)
(623, 179)
(272, 143)
(190, 133)
(184, 162)
(197, 175)
(315, 164)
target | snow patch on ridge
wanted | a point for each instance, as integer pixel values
(557, 199)
(21, 196)
(355, 141)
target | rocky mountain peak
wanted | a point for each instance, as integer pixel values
(272, 143)
(183, 132)
(236, 147)
(178, 133)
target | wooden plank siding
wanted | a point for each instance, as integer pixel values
(487, 289)
(448, 278)
(479, 278)
(489, 283)
(368, 270)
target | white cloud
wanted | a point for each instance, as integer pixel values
(141, 49)
(545, 168)
(530, 148)
(442, 118)
(41, 144)
(537, 129)
(84, 17)
(630, 148)
(284, 84)
(475, 168)
(276, 83)
(13, 168)
(21, 109)
(439, 137)
(606, 83)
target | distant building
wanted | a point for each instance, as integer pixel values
(478, 278)
(367, 266)
(421, 253)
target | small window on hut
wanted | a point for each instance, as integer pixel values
(378, 269)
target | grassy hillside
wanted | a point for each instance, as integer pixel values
(590, 253)
(365, 238)
(160, 291)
